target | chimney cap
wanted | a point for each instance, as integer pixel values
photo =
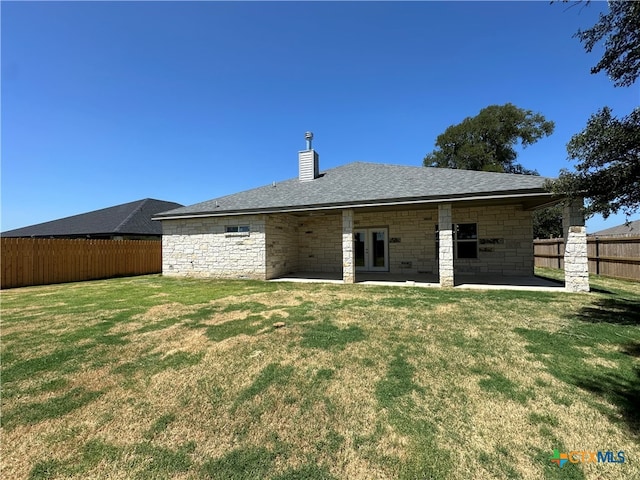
(308, 136)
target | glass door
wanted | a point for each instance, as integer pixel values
(371, 250)
(378, 250)
(360, 250)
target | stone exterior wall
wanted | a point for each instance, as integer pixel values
(281, 245)
(411, 238)
(200, 247)
(320, 243)
(505, 240)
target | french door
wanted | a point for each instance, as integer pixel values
(371, 249)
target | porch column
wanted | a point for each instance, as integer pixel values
(576, 262)
(348, 264)
(445, 253)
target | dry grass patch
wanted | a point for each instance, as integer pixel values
(191, 380)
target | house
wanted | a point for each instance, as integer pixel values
(630, 229)
(366, 217)
(129, 221)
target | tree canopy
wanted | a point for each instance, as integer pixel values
(547, 222)
(608, 149)
(608, 172)
(620, 29)
(487, 141)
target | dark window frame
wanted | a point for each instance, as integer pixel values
(237, 230)
(467, 241)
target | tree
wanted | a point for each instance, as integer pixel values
(487, 141)
(621, 27)
(547, 222)
(608, 174)
(608, 149)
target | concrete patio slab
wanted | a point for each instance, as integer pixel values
(477, 282)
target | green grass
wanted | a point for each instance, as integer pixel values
(241, 464)
(327, 336)
(153, 377)
(35, 412)
(272, 375)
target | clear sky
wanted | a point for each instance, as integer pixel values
(109, 102)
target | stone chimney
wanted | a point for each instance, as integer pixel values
(308, 161)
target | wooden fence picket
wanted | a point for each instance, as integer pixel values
(42, 261)
(617, 257)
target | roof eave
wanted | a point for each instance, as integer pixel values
(365, 204)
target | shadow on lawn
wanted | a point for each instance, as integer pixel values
(618, 311)
(624, 392)
(620, 387)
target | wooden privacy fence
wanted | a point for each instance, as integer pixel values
(617, 257)
(41, 261)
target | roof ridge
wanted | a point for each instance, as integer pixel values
(133, 212)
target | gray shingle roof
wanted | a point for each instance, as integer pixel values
(624, 230)
(132, 218)
(367, 183)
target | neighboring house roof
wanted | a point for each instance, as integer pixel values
(132, 218)
(362, 184)
(624, 230)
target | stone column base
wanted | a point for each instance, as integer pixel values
(348, 264)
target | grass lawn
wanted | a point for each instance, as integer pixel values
(153, 377)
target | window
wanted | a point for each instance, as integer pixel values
(241, 229)
(465, 240)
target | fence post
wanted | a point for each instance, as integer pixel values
(558, 253)
(597, 256)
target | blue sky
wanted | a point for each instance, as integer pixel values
(110, 102)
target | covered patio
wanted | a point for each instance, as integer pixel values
(478, 282)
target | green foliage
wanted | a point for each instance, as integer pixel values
(608, 149)
(486, 141)
(621, 30)
(547, 222)
(608, 169)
